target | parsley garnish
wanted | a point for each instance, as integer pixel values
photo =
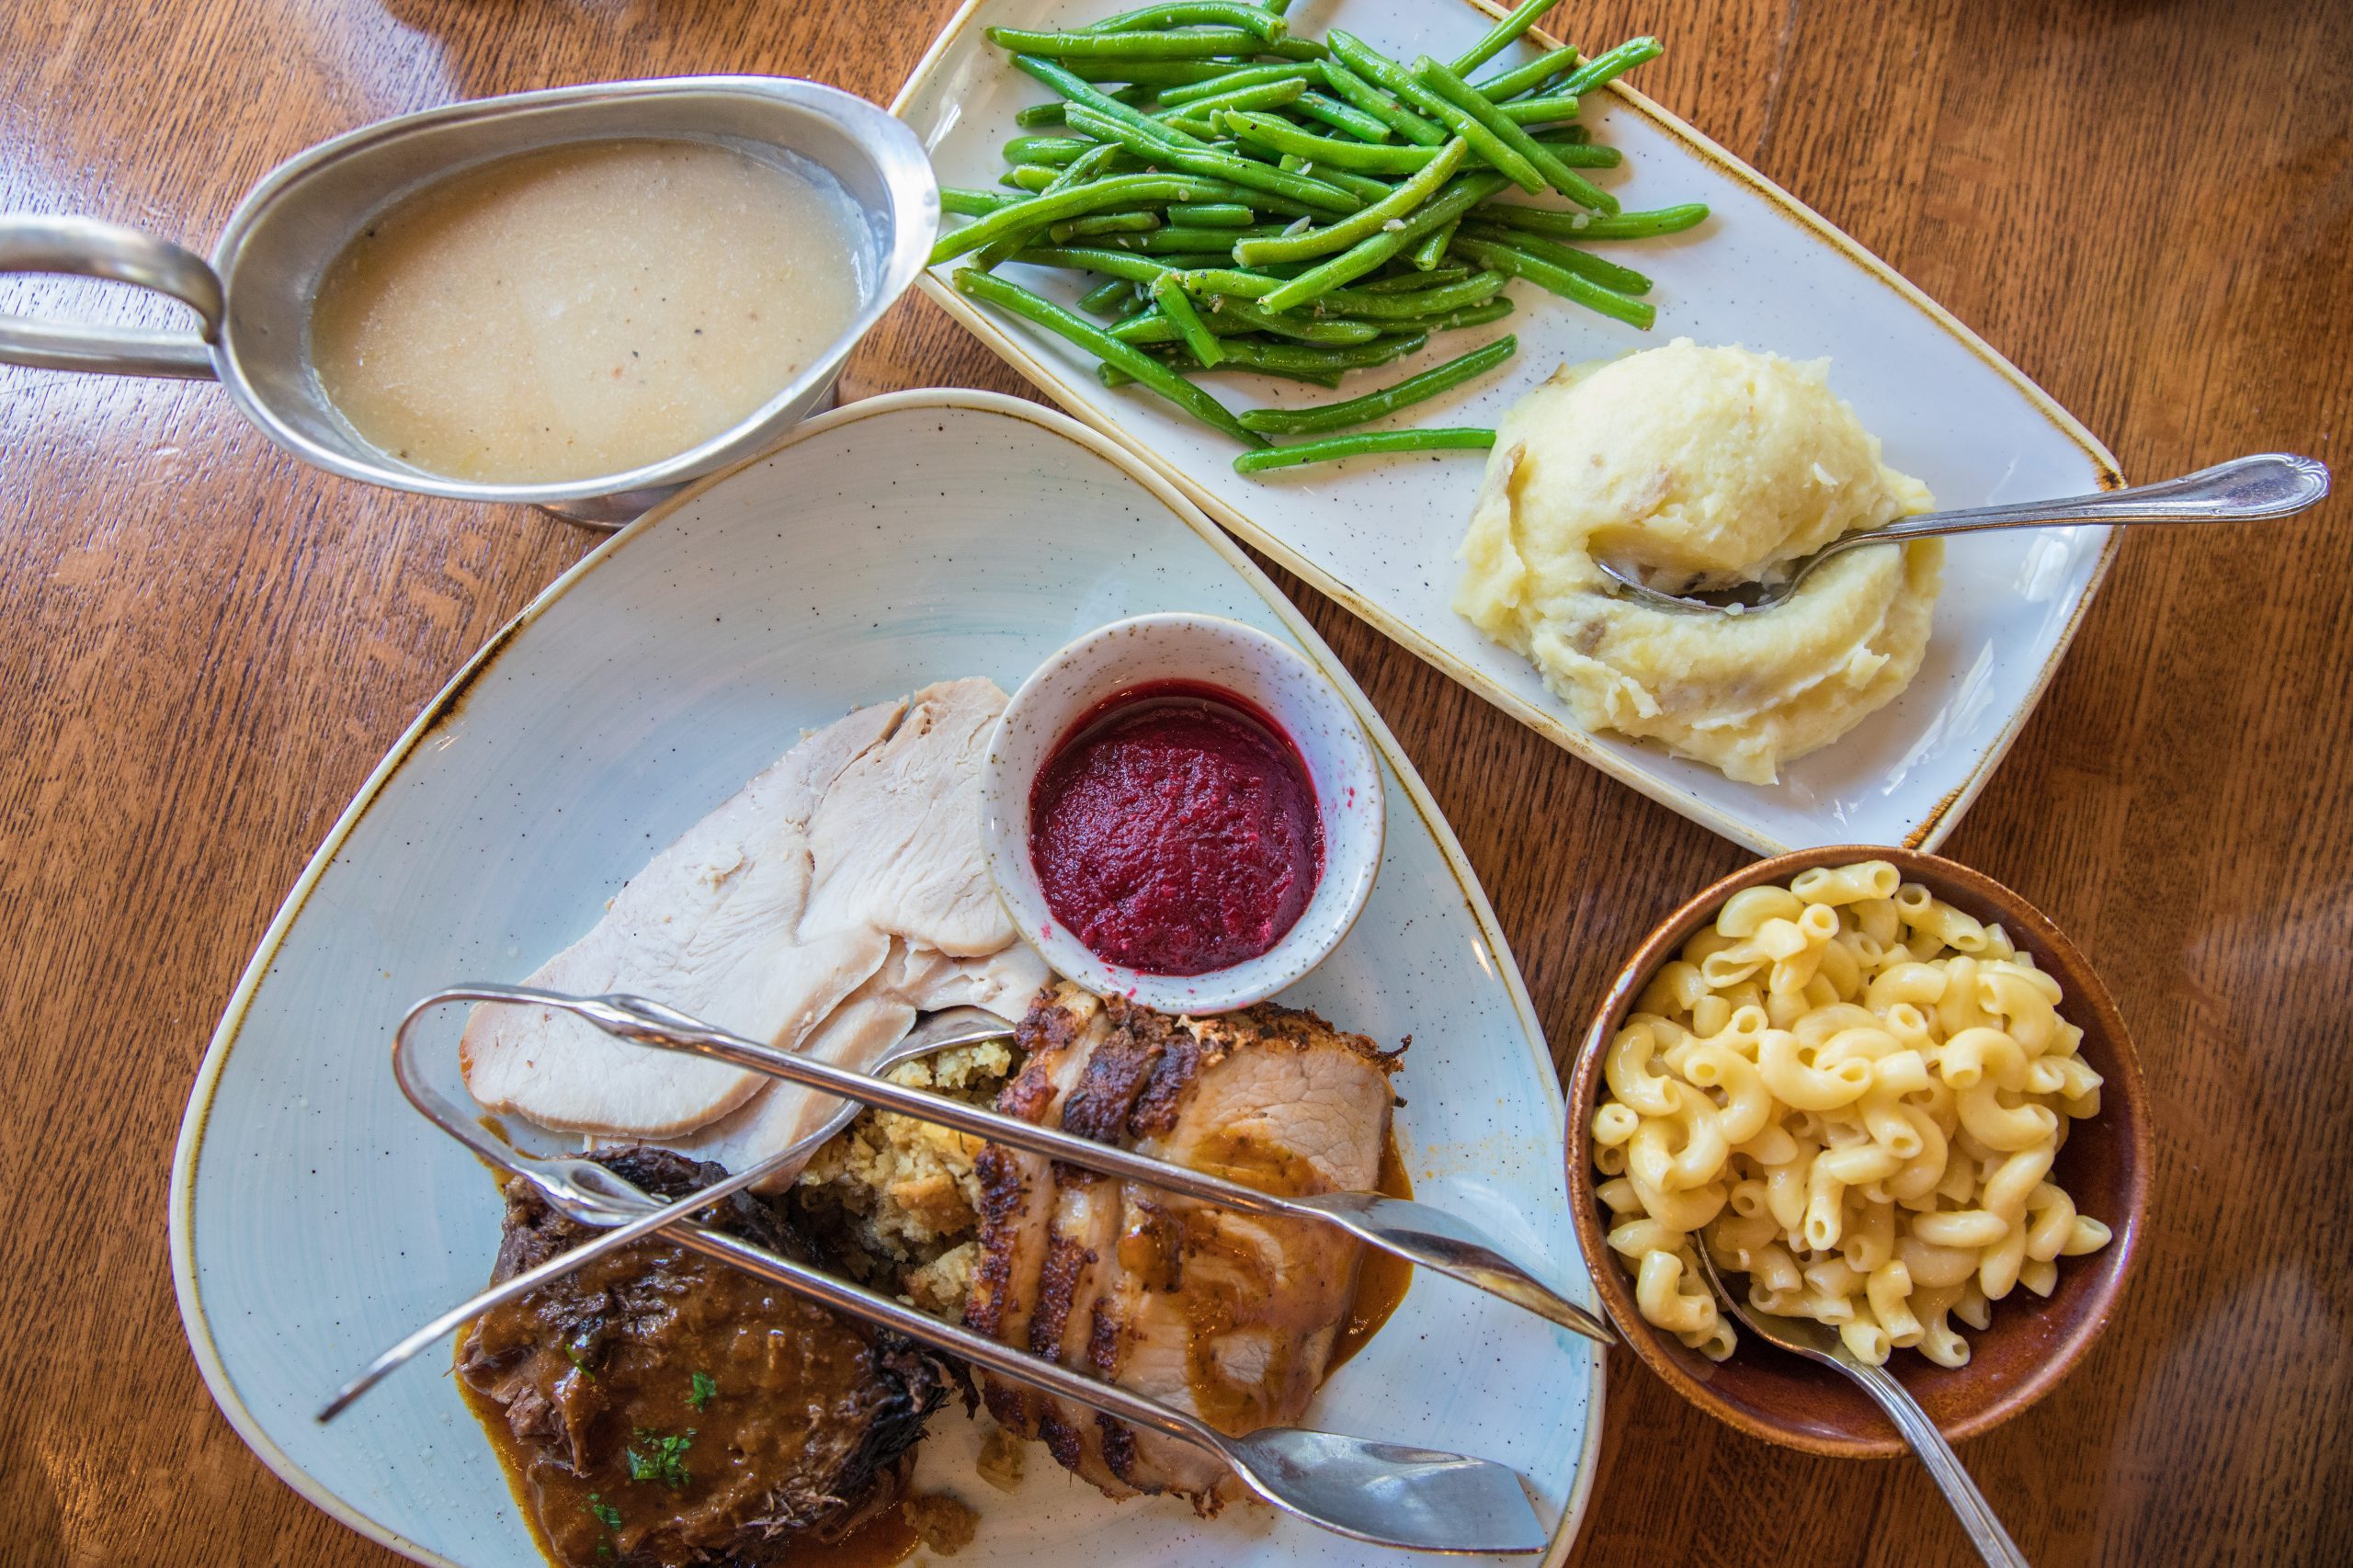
(662, 1459)
(579, 1358)
(701, 1390)
(606, 1515)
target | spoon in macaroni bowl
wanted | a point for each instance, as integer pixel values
(1819, 1342)
(2245, 490)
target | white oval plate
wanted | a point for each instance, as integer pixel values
(315, 1218)
(1379, 535)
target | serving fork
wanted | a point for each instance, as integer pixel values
(2245, 490)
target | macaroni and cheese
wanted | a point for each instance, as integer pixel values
(1852, 1093)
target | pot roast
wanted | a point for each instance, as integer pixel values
(665, 1409)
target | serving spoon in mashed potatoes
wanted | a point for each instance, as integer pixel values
(2245, 490)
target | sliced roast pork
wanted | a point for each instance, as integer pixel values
(1229, 1316)
(830, 899)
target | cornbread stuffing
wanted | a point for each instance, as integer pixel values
(897, 1197)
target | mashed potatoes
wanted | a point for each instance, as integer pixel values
(1703, 467)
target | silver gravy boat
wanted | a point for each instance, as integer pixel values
(254, 297)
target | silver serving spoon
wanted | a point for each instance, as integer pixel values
(2245, 490)
(1819, 1342)
(1430, 1238)
(585, 1190)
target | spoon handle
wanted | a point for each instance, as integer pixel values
(2245, 490)
(1977, 1517)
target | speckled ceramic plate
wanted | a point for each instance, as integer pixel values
(1379, 535)
(315, 1217)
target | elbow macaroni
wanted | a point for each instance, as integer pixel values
(1852, 1093)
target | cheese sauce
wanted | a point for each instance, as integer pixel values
(584, 310)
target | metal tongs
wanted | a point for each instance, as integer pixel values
(1379, 1493)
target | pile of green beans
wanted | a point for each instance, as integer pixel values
(1238, 198)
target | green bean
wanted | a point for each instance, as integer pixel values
(1126, 46)
(1271, 95)
(1295, 49)
(1340, 116)
(1179, 311)
(1265, 95)
(1111, 262)
(1279, 135)
(1240, 76)
(1580, 154)
(1502, 34)
(1054, 150)
(1217, 241)
(1252, 20)
(1370, 100)
(1052, 114)
(1414, 282)
(1494, 309)
(1305, 357)
(1103, 299)
(1475, 290)
(1538, 111)
(1519, 78)
(971, 203)
(1196, 159)
(1226, 280)
(1465, 192)
(1609, 274)
(1102, 224)
(1258, 201)
(1330, 331)
(1120, 191)
(1209, 215)
(1368, 444)
(1556, 174)
(1373, 220)
(1031, 177)
(1012, 297)
(1610, 64)
(1080, 93)
(1482, 138)
(1570, 285)
(1433, 248)
(1367, 187)
(1112, 376)
(1147, 76)
(1585, 226)
(1094, 161)
(1227, 318)
(1387, 401)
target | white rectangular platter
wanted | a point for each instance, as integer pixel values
(1379, 535)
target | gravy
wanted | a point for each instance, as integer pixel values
(583, 309)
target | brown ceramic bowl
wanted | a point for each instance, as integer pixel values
(2104, 1166)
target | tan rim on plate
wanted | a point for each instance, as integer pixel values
(2032, 1343)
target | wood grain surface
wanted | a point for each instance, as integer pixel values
(2147, 204)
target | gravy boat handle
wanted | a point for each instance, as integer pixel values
(91, 248)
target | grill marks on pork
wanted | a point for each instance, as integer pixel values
(1231, 1317)
(807, 1430)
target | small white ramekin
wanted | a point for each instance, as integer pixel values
(1202, 650)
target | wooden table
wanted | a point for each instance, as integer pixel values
(204, 646)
